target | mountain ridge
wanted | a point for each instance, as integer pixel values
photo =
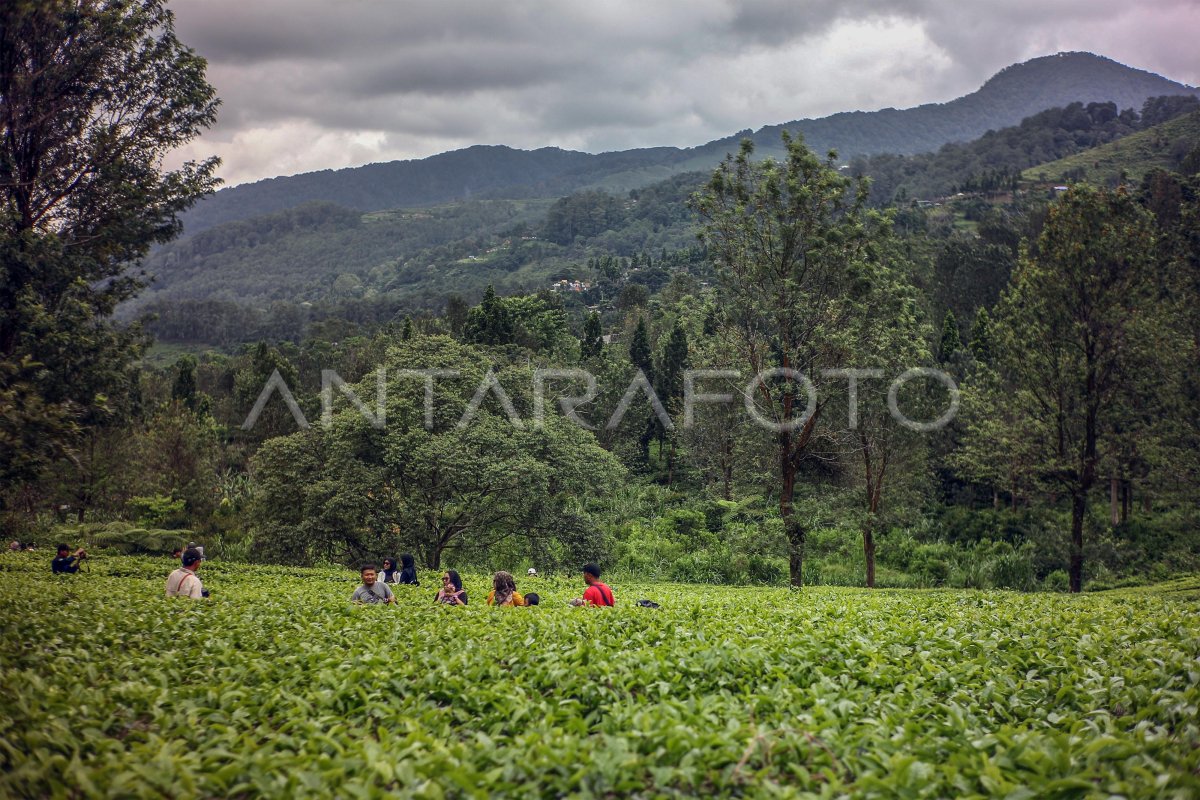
(1013, 93)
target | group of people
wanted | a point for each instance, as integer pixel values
(504, 588)
(376, 584)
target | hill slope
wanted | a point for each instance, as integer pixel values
(496, 171)
(1161, 147)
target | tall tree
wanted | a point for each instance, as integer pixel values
(981, 336)
(591, 344)
(950, 342)
(489, 322)
(93, 95)
(789, 240)
(1072, 332)
(671, 388)
(892, 335)
(641, 359)
(184, 387)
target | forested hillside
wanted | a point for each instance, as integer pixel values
(269, 276)
(1166, 147)
(994, 162)
(1011, 95)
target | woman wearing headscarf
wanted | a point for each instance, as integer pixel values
(451, 593)
(408, 570)
(504, 591)
(390, 574)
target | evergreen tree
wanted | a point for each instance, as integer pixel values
(489, 322)
(981, 336)
(639, 350)
(591, 344)
(674, 363)
(184, 388)
(950, 342)
(640, 357)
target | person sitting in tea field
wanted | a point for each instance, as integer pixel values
(533, 599)
(66, 562)
(408, 571)
(451, 593)
(183, 582)
(504, 591)
(597, 593)
(389, 574)
(372, 590)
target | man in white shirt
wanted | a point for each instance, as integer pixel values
(183, 581)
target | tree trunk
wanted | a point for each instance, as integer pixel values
(1078, 511)
(995, 498)
(1114, 504)
(869, 553)
(791, 526)
(1126, 499)
(670, 462)
(727, 469)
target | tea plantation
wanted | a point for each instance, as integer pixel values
(277, 686)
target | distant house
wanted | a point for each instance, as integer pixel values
(570, 286)
(610, 338)
(1060, 189)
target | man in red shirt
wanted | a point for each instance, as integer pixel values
(597, 593)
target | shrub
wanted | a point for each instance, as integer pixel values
(139, 541)
(1012, 570)
(1057, 581)
(931, 563)
(159, 511)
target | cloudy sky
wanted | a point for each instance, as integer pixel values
(315, 84)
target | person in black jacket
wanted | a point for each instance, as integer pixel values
(408, 570)
(66, 562)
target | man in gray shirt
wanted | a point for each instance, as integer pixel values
(371, 590)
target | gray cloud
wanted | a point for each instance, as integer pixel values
(311, 84)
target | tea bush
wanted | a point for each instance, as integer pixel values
(277, 686)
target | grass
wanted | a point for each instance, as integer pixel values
(278, 687)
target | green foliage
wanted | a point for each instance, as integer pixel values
(278, 686)
(158, 511)
(92, 97)
(139, 541)
(584, 214)
(992, 163)
(347, 490)
(950, 342)
(793, 249)
(591, 344)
